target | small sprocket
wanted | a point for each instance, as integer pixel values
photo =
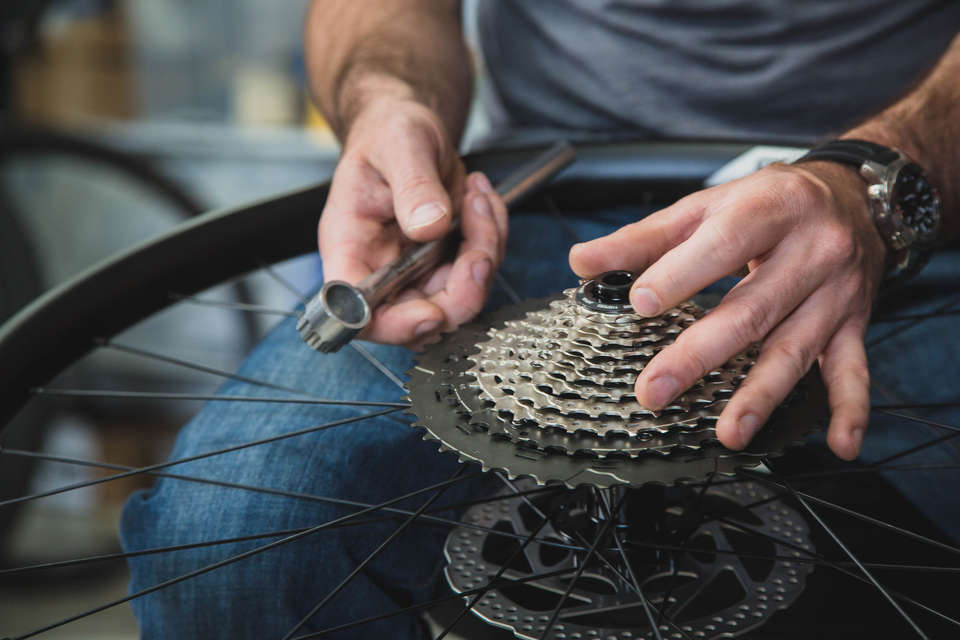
(543, 390)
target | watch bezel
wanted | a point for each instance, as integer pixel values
(882, 181)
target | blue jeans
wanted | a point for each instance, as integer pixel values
(378, 459)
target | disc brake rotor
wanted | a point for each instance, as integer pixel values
(727, 573)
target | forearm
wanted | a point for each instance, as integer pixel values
(362, 50)
(925, 124)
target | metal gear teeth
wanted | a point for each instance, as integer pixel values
(458, 413)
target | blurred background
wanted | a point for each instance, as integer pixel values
(119, 119)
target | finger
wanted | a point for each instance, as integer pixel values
(847, 378)
(480, 232)
(465, 290)
(786, 356)
(421, 203)
(721, 244)
(404, 322)
(635, 246)
(468, 281)
(479, 182)
(351, 236)
(479, 226)
(745, 316)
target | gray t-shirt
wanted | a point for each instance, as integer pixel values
(759, 70)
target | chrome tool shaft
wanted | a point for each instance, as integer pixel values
(341, 310)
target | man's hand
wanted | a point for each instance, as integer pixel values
(815, 260)
(399, 180)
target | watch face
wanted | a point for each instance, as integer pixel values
(917, 202)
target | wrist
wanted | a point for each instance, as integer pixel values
(361, 92)
(384, 116)
(903, 204)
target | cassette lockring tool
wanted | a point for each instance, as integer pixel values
(341, 310)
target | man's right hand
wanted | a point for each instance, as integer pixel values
(399, 180)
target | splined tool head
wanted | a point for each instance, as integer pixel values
(334, 316)
(545, 389)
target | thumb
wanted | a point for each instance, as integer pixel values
(421, 203)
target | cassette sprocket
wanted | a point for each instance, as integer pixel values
(544, 389)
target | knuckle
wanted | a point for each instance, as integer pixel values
(793, 355)
(726, 241)
(758, 395)
(693, 361)
(804, 191)
(414, 185)
(748, 321)
(859, 373)
(837, 244)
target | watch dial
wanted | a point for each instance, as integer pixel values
(917, 201)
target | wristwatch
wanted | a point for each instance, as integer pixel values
(905, 206)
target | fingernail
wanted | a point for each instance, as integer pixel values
(748, 426)
(425, 327)
(481, 271)
(645, 302)
(481, 206)
(425, 214)
(662, 390)
(483, 183)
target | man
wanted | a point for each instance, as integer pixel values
(394, 79)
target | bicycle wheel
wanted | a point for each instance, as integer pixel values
(893, 567)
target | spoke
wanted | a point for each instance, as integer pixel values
(914, 449)
(871, 468)
(498, 497)
(510, 291)
(916, 316)
(431, 519)
(150, 355)
(200, 456)
(866, 572)
(283, 282)
(636, 587)
(393, 511)
(503, 568)
(835, 566)
(382, 368)
(396, 512)
(647, 609)
(234, 306)
(241, 556)
(858, 516)
(683, 548)
(586, 560)
(815, 560)
(431, 603)
(562, 219)
(926, 421)
(123, 555)
(916, 405)
(373, 555)
(516, 491)
(117, 394)
(912, 323)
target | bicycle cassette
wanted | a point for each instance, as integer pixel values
(544, 389)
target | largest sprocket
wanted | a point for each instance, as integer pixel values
(543, 389)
